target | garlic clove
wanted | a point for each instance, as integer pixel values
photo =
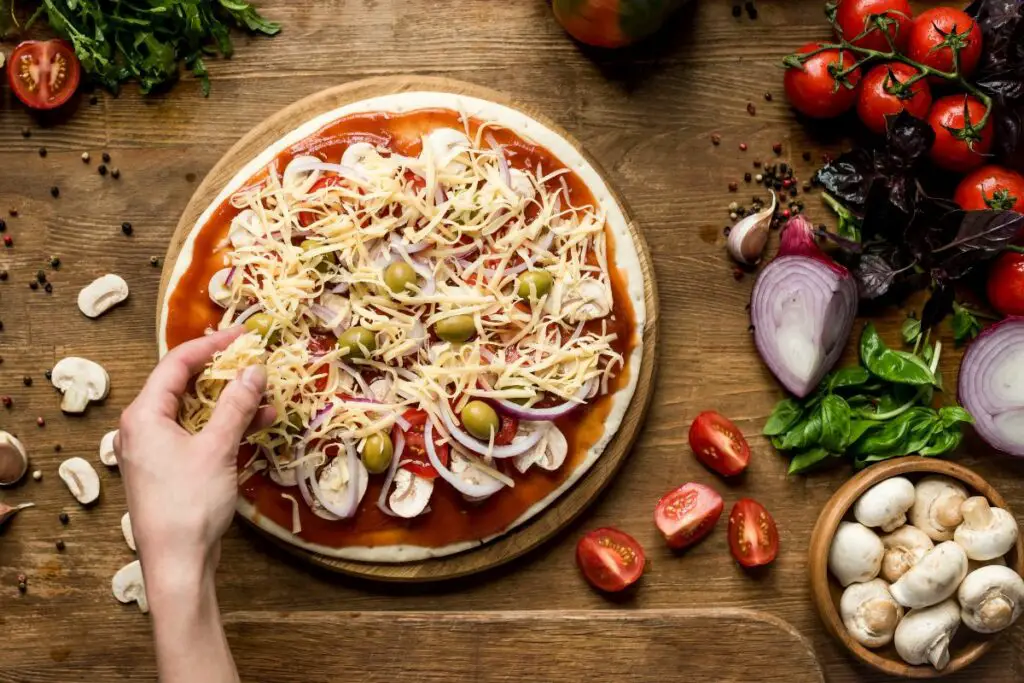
(7, 512)
(749, 236)
(13, 459)
(107, 455)
(81, 479)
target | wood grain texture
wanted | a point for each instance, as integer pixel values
(570, 504)
(967, 646)
(646, 114)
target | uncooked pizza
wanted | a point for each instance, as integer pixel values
(449, 305)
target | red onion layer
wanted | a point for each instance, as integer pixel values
(991, 385)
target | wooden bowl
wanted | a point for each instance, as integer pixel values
(967, 646)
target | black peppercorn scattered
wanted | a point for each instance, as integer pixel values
(733, 187)
(63, 517)
(93, 99)
(102, 169)
(777, 148)
(747, 177)
(751, 10)
(716, 139)
(22, 586)
(42, 152)
(33, 285)
(40, 276)
(126, 228)
(48, 375)
(3, 225)
(115, 173)
(26, 133)
(767, 97)
(60, 545)
(54, 262)
(48, 288)
(1, 325)
(106, 157)
(57, 448)
(3, 275)
(13, 213)
(26, 380)
(751, 109)
(154, 261)
(737, 11)
(54, 191)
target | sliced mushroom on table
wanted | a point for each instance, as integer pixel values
(81, 479)
(128, 585)
(81, 381)
(107, 455)
(102, 294)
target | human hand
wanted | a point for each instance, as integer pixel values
(182, 487)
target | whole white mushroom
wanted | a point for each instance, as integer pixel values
(991, 598)
(903, 549)
(933, 578)
(987, 532)
(856, 553)
(923, 636)
(885, 504)
(936, 509)
(870, 613)
(80, 380)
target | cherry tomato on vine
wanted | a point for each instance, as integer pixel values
(936, 32)
(960, 145)
(44, 74)
(991, 187)
(610, 559)
(687, 514)
(1006, 284)
(854, 16)
(883, 93)
(815, 90)
(719, 444)
(753, 536)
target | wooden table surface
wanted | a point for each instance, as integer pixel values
(647, 115)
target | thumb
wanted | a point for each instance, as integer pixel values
(236, 407)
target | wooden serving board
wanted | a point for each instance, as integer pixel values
(584, 492)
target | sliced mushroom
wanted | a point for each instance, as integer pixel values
(991, 599)
(936, 509)
(856, 553)
(380, 389)
(903, 549)
(81, 381)
(934, 578)
(13, 459)
(885, 504)
(128, 585)
(297, 178)
(987, 532)
(411, 495)
(81, 479)
(548, 454)
(245, 228)
(923, 636)
(335, 479)
(102, 294)
(107, 455)
(218, 289)
(126, 529)
(356, 155)
(445, 145)
(464, 466)
(870, 613)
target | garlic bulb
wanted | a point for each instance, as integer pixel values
(748, 237)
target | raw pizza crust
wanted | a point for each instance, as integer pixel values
(627, 260)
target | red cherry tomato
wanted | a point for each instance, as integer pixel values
(814, 90)
(687, 514)
(930, 34)
(882, 94)
(1006, 284)
(753, 537)
(991, 187)
(719, 444)
(44, 74)
(966, 148)
(854, 16)
(507, 431)
(415, 445)
(610, 559)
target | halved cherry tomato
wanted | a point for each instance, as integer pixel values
(1006, 284)
(719, 444)
(44, 74)
(855, 16)
(933, 33)
(610, 559)
(321, 342)
(415, 445)
(307, 218)
(753, 536)
(507, 431)
(814, 89)
(959, 144)
(991, 187)
(688, 514)
(883, 94)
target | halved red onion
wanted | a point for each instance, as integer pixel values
(382, 500)
(802, 309)
(247, 313)
(992, 385)
(520, 444)
(347, 509)
(464, 487)
(548, 414)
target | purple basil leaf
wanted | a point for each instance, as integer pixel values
(981, 236)
(907, 139)
(849, 178)
(939, 304)
(874, 276)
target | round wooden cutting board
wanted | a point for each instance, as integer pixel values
(571, 503)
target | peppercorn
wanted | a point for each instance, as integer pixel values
(22, 578)
(737, 11)
(41, 276)
(48, 375)
(54, 262)
(13, 213)
(33, 285)
(807, 187)
(126, 228)
(106, 157)
(26, 380)
(42, 152)
(93, 99)
(806, 156)
(115, 173)
(101, 169)
(746, 177)
(8, 241)
(60, 545)
(3, 275)
(26, 133)
(734, 186)
(22, 587)
(777, 148)
(757, 163)
(57, 448)
(54, 191)
(3, 225)
(737, 274)
(767, 96)
(7, 401)
(751, 10)
(40, 422)
(751, 109)
(48, 288)
(154, 261)
(716, 139)
(743, 147)
(785, 213)
(63, 517)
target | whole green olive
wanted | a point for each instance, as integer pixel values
(480, 420)
(325, 259)
(398, 276)
(353, 340)
(377, 452)
(260, 323)
(455, 329)
(535, 284)
(295, 422)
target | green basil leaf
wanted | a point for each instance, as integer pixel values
(943, 442)
(898, 367)
(835, 423)
(806, 433)
(786, 414)
(859, 427)
(950, 415)
(965, 325)
(911, 330)
(806, 460)
(886, 440)
(853, 376)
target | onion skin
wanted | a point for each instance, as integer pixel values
(802, 268)
(977, 395)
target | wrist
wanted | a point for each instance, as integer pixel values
(178, 580)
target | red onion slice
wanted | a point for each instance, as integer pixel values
(518, 446)
(802, 308)
(548, 414)
(230, 276)
(464, 487)
(991, 385)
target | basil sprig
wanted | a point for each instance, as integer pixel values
(877, 410)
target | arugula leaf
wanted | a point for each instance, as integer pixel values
(894, 366)
(785, 415)
(965, 324)
(806, 460)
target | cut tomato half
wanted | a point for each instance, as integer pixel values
(44, 74)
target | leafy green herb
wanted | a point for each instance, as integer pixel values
(911, 329)
(965, 324)
(146, 41)
(870, 412)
